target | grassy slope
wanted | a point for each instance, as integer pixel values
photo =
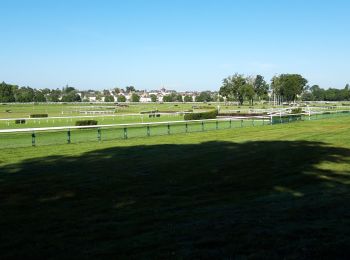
(273, 191)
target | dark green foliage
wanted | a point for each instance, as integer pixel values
(153, 98)
(298, 110)
(288, 86)
(188, 98)
(173, 97)
(149, 112)
(85, 122)
(109, 98)
(121, 98)
(135, 97)
(203, 115)
(7, 93)
(20, 121)
(38, 115)
(204, 96)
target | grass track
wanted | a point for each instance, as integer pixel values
(278, 191)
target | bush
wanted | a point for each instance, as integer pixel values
(298, 110)
(85, 122)
(20, 121)
(149, 112)
(204, 115)
(38, 115)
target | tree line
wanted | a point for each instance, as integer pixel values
(238, 87)
(282, 88)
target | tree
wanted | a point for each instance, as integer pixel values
(167, 98)
(54, 95)
(121, 98)
(178, 98)
(173, 97)
(71, 97)
(39, 96)
(6, 93)
(317, 93)
(153, 98)
(247, 91)
(135, 97)
(204, 96)
(130, 89)
(261, 88)
(24, 94)
(288, 86)
(233, 87)
(188, 98)
(109, 98)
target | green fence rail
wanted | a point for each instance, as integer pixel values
(69, 135)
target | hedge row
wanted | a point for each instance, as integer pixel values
(20, 121)
(203, 115)
(85, 122)
(38, 115)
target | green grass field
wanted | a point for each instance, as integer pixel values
(277, 191)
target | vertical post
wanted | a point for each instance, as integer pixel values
(68, 136)
(148, 131)
(230, 123)
(186, 127)
(271, 120)
(125, 133)
(33, 139)
(202, 126)
(217, 124)
(168, 129)
(241, 122)
(99, 134)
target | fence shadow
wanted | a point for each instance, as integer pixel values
(263, 199)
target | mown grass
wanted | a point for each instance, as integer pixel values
(276, 191)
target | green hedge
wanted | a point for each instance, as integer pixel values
(297, 110)
(38, 115)
(85, 122)
(20, 121)
(203, 115)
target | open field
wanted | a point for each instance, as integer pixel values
(277, 191)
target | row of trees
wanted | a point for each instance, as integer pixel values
(315, 93)
(284, 87)
(239, 88)
(14, 93)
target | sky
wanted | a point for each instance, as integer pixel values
(178, 44)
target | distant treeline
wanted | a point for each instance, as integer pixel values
(13, 93)
(240, 88)
(284, 87)
(315, 93)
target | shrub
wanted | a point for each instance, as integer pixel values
(38, 115)
(297, 110)
(204, 115)
(20, 121)
(85, 122)
(149, 112)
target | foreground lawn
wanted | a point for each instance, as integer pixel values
(263, 192)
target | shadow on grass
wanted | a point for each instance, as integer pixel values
(268, 199)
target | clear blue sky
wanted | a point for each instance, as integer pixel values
(183, 45)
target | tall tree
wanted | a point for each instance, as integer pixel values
(233, 87)
(153, 98)
(135, 97)
(288, 86)
(261, 88)
(6, 93)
